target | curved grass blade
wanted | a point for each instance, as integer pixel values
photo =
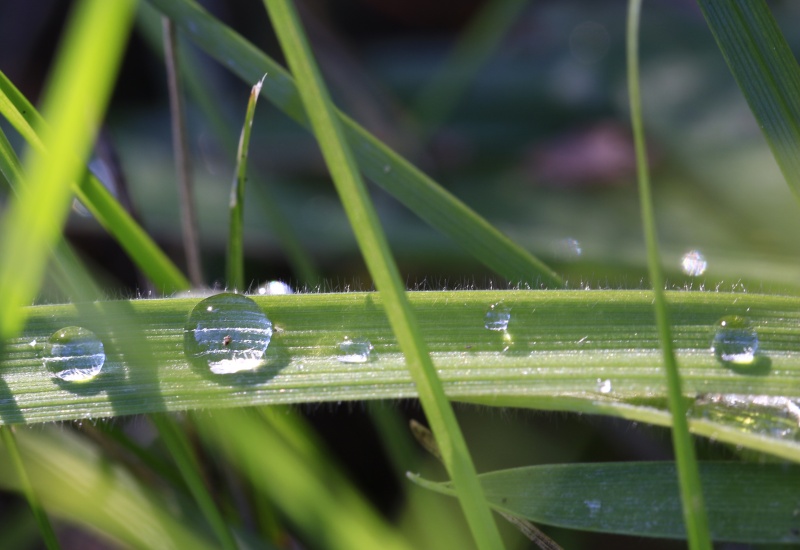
(75, 100)
(375, 251)
(113, 503)
(767, 73)
(747, 503)
(688, 476)
(45, 528)
(93, 194)
(378, 162)
(235, 263)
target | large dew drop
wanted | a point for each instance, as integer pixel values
(694, 263)
(735, 341)
(498, 317)
(356, 350)
(74, 354)
(227, 332)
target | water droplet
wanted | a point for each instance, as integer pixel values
(275, 288)
(771, 415)
(694, 263)
(356, 350)
(568, 249)
(74, 354)
(387, 169)
(735, 341)
(594, 507)
(498, 317)
(228, 333)
(603, 386)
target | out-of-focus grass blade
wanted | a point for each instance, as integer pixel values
(93, 194)
(474, 46)
(236, 236)
(75, 101)
(16, 463)
(747, 503)
(76, 483)
(767, 73)
(375, 251)
(685, 458)
(378, 162)
(323, 507)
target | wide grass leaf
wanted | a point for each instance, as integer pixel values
(748, 503)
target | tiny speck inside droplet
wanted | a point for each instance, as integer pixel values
(694, 263)
(498, 317)
(228, 333)
(735, 341)
(356, 350)
(74, 354)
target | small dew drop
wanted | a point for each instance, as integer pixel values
(735, 341)
(74, 354)
(387, 169)
(356, 350)
(498, 317)
(275, 288)
(603, 386)
(694, 263)
(228, 333)
(594, 507)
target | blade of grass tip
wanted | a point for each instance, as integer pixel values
(767, 73)
(376, 253)
(183, 163)
(93, 194)
(428, 200)
(474, 46)
(180, 449)
(425, 438)
(75, 101)
(236, 235)
(45, 527)
(688, 472)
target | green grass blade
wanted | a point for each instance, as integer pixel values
(236, 235)
(321, 505)
(609, 498)
(78, 484)
(378, 162)
(688, 474)
(767, 73)
(75, 101)
(594, 352)
(180, 450)
(45, 528)
(474, 46)
(378, 257)
(103, 206)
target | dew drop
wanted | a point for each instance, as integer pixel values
(228, 333)
(603, 386)
(356, 350)
(74, 354)
(694, 263)
(498, 317)
(594, 507)
(275, 288)
(769, 415)
(735, 341)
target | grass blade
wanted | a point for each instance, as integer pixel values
(78, 94)
(45, 528)
(236, 236)
(609, 498)
(376, 253)
(688, 474)
(767, 73)
(378, 162)
(93, 194)
(183, 163)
